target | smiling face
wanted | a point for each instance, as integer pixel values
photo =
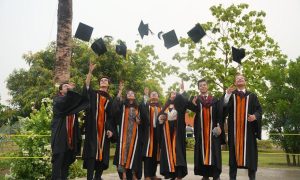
(240, 81)
(172, 95)
(154, 96)
(104, 82)
(64, 89)
(203, 87)
(130, 95)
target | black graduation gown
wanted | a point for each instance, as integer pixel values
(91, 149)
(63, 106)
(150, 140)
(214, 160)
(248, 155)
(145, 127)
(119, 108)
(180, 168)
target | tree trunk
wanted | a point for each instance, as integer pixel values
(294, 160)
(298, 160)
(288, 159)
(63, 41)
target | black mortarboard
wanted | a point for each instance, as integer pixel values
(238, 54)
(121, 49)
(84, 32)
(196, 33)
(143, 29)
(170, 39)
(99, 47)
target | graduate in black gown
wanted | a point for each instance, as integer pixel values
(208, 128)
(100, 130)
(128, 159)
(65, 134)
(244, 127)
(172, 134)
(150, 144)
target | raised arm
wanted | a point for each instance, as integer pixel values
(228, 94)
(89, 75)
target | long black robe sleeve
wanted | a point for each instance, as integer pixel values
(69, 104)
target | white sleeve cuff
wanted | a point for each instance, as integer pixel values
(226, 98)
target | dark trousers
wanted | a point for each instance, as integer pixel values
(180, 172)
(150, 166)
(129, 174)
(60, 165)
(233, 171)
(211, 171)
(94, 169)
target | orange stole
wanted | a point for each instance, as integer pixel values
(206, 133)
(151, 136)
(240, 129)
(100, 125)
(171, 144)
(132, 140)
(70, 125)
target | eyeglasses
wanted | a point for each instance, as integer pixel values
(104, 80)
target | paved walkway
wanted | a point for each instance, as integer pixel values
(262, 174)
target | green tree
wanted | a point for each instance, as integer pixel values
(212, 59)
(282, 105)
(141, 68)
(8, 115)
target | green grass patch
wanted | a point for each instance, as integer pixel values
(264, 159)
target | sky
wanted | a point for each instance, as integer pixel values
(30, 25)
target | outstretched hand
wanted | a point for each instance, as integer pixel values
(109, 134)
(91, 67)
(146, 91)
(182, 85)
(230, 89)
(121, 85)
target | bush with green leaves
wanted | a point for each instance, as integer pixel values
(36, 146)
(190, 143)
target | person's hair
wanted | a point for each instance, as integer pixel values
(130, 90)
(202, 80)
(239, 74)
(61, 85)
(154, 92)
(104, 77)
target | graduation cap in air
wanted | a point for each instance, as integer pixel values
(196, 33)
(238, 54)
(121, 49)
(143, 29)
(99, 47)
(170, 39)
(84, 32)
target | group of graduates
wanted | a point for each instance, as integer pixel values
(147, 134)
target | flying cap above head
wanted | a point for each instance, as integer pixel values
(159, 34)
(84, 32)
(99, 47)
(170, 39)
(143, 29)
(238, 54)
(196, 33)
(121, 49)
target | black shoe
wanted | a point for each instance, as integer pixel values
(205, 178)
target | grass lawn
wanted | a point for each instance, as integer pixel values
(264, 159)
